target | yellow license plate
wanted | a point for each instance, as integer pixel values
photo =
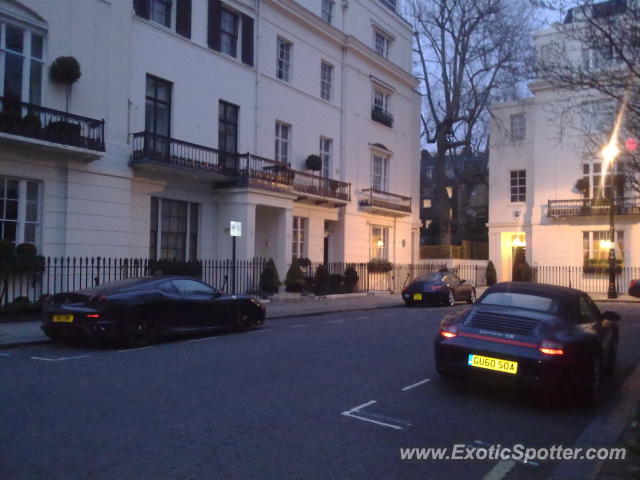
(417, 296)
(496, 364)
(63, 318)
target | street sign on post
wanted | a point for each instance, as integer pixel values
(235, 230)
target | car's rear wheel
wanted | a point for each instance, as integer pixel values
(472, 296)
(139, 329)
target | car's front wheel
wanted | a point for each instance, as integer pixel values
(242, 321)
(451, 299)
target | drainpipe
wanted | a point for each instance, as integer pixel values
(257, 60)
(343, 172)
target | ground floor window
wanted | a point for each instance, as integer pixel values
(299, 237)
(596, 246)
(19, 210)
(379, 248)
(174, 229)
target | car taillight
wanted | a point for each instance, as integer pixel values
(449, 331)
(404, 290)
(93, 315)
(549, 347)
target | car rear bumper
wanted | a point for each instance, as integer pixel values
(534, 369)
(427, 297)
(82, 327)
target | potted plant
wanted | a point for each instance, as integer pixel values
(294, 281)
(491, 274)
(269, 279)
(31, 124)
(65, 71)
(350, 279)
(379, 265)
(313, 163)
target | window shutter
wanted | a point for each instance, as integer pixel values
(213, 34)
(141, 7)
(247, 39)
(183, 18)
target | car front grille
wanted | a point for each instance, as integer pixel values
(503, 323)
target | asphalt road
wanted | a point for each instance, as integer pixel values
(282, 402)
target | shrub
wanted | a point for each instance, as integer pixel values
(192, 268)
(492, 276)
(525, 273)
(378, 265)
(582, 185)
(294, 281)
(27, 249)
(269, 279)
(351, 279)
(321, 281)
(304, 262)
(6, 248)
(31, 122)
(335, 283)
(313, 163)
(65, 70)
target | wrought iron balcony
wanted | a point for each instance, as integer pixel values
(48, 125)
(385, 202)
(160, 152)
(587, 207)
(316, 188)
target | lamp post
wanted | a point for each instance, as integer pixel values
(609, 154)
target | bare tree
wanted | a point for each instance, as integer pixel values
(467, 51)
(597, 55)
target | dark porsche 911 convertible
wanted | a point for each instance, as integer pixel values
(442, 287)
(137, 311)
(535, 334)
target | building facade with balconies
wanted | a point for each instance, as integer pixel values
(190, 114)
(549, 188)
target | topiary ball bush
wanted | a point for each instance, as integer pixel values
(65, 70)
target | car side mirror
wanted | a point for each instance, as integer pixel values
(611, 316)
(217, 294)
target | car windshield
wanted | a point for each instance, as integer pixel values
(521, 300)
(430, 277)
(115, 285)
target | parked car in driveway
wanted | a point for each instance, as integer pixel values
(634, 288)
(442, 287)
(534, 334)
(138, 311)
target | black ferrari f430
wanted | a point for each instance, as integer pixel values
(138, 311)
(539, 335)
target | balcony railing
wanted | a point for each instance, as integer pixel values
(390, 201)
(321, 186)
(592, 207)
(253, 169)
(40, 123)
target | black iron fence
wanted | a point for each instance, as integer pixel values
(578, 277)
(61, 274)
(370, 197)
(34, 121)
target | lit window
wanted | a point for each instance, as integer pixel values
(19, 210)
(379, 248)
(283, 65)
(173, 232)
(596, 246)
(518, 128)
(426, 203)
(518, 186)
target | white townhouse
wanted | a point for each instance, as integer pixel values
(540, 148)
(190, 114)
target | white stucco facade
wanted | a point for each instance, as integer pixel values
(99, 203)
(558, 225)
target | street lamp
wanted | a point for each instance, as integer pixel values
(609, 154)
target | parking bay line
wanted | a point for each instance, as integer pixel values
(340, 320)
(358, 414)
(417, 384)
(500, 470)
(5, 354)
(61, 359)
(301, 325)
(133, 349)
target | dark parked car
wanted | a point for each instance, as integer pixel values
(535, 334)
(634, 288)
(441, 287)
(137, 311)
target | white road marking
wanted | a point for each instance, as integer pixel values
(355, 413)
(59, 359)
(260, 331)
(500, 470)
(204, 339)
(5, 355)
(301, 325)
(417, 384)
(133, 349)
(336, 321)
